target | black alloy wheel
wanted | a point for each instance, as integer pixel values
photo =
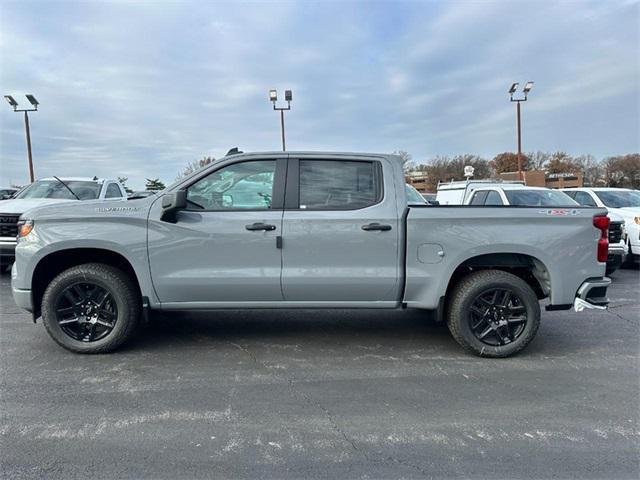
(497, 316)
(86, 312)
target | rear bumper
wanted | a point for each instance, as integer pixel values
(594, 291)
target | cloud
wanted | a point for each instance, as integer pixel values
(141, 88)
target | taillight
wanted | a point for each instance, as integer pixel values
(601, 222)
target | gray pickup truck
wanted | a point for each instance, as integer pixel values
(305, 230)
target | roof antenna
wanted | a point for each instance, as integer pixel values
(233, 151)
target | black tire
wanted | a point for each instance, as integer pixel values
(124, 300)
(463, 312)
(5, 264)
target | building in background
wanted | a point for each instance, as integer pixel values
(538, 178)
(418, 180)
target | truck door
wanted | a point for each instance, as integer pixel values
(223, 247)
(340, 233)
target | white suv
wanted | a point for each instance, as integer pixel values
(46, 191)
(623, 202)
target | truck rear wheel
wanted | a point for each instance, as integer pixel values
(493, 313)
(91, 308)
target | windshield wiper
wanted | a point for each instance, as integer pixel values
(67, 187)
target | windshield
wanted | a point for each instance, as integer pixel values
(413, 196)
(619, 198)
(55, 189)
(539, 198)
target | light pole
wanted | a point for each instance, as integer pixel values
(288, 96)
(527, 88)
(32, 100)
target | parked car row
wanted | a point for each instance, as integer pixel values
(621, 203)
(7, 192)
(48, 191)
(623, 206)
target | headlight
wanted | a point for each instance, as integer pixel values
(24, 228)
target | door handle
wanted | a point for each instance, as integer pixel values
(260, 226)
(372, 227)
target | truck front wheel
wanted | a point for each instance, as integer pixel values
(91, 308)
(493, 313)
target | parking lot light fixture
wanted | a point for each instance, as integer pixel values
(34, 103)
(11, 101)
(273, 97)
(527, 88)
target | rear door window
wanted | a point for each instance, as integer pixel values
(583, 198)
(493, 198)
(339, 184)
(479, 197)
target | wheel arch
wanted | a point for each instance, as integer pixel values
(49, 266)
(528, 267)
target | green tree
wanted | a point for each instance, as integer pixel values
(123, 182)
(154, 185)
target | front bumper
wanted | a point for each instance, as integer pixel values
(7, 247)
(21, 296)
(22, 299)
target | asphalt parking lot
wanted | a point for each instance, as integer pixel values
(339, 394)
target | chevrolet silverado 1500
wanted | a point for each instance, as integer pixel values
(305, 230)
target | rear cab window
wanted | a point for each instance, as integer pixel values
(493, 198)
(339, 184)
(113, 191)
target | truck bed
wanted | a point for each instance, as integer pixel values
(560, 242)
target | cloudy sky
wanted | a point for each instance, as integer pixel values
(139, 88)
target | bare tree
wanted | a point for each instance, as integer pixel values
(622, 171)
(508, 162)
(407, 162)
(562, 162)
(591, 169)
(195, 165)
(538, 160)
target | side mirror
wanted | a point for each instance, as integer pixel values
(435, 202)
(172, 203)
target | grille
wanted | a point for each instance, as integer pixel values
(615, 232)
(8, 225)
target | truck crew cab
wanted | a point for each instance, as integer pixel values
(305, 230)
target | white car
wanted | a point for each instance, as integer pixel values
(623, 202)
(520, 195)
(413, 196)
(44, 192)
(455, 192)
